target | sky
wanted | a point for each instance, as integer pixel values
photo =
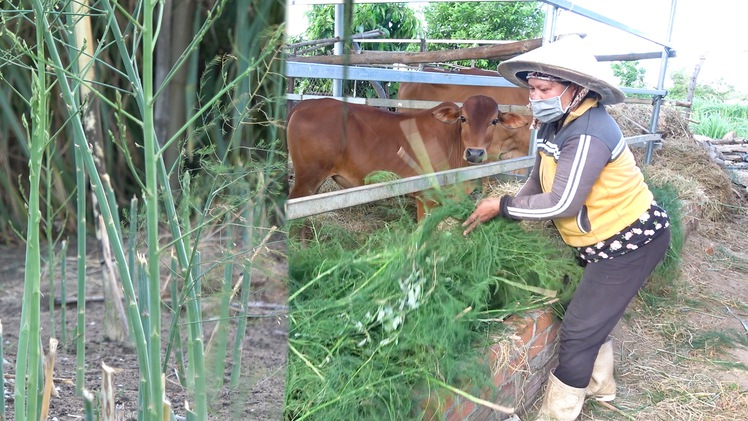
(714, 28)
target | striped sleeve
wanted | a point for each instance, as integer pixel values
(532, 185)
(580, 163)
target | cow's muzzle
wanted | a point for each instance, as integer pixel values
(475, 155)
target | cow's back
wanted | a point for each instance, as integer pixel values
(459, 93)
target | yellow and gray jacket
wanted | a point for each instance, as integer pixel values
(585, 179)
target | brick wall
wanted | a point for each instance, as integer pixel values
(519, 362)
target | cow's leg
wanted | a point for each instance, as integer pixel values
(420, 209)
(423, 205)
(306, 183)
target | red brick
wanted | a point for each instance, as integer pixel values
(538, 344)
(463, 410)
(436, 405)
(519, 365)
(527, 333)
(545, 320)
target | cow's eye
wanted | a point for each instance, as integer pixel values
(495, 121)
(462, 118)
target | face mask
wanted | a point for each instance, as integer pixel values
(548, 110)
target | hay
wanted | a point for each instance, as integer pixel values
(682, 163)
(635, 119)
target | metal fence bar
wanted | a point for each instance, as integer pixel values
(401, 103)
(643, 140)
(574, 8)
(423, 104)
(326, 202)
(335, 71)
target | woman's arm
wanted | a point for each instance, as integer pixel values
(580, 163)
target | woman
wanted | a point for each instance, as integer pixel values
(586, 181)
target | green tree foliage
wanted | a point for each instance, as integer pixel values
(483, 21)
(629, 73)
(396, 20)
(716, 108)
(709, 92)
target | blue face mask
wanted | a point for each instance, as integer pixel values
(548, 110)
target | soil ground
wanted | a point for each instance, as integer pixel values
(259, 396)
(687, 358)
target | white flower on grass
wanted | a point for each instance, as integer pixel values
(394, 323)
(383, 313)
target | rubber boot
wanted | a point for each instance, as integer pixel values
(602, 385)
(561, 402)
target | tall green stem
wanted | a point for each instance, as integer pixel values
(63, 295)
(195, 333)
(29, 338)
(106, 207)
(80, 332)
(50, 242)
(152, 223)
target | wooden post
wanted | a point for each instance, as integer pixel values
(692, 84)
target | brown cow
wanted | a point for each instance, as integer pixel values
(510, 141)
(330, 138)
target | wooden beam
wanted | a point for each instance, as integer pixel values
(633, 56)
(493, 52)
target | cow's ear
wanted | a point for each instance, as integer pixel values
(447, 113)
(512, 120)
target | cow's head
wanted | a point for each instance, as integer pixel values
(477, 118)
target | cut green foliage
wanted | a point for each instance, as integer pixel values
(718, 342)
(668, 271)
(370, 325)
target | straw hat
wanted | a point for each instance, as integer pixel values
(569, 59)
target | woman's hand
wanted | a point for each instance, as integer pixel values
(485, 210)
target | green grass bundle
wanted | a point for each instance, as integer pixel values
(660, 283)
(376, 329)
